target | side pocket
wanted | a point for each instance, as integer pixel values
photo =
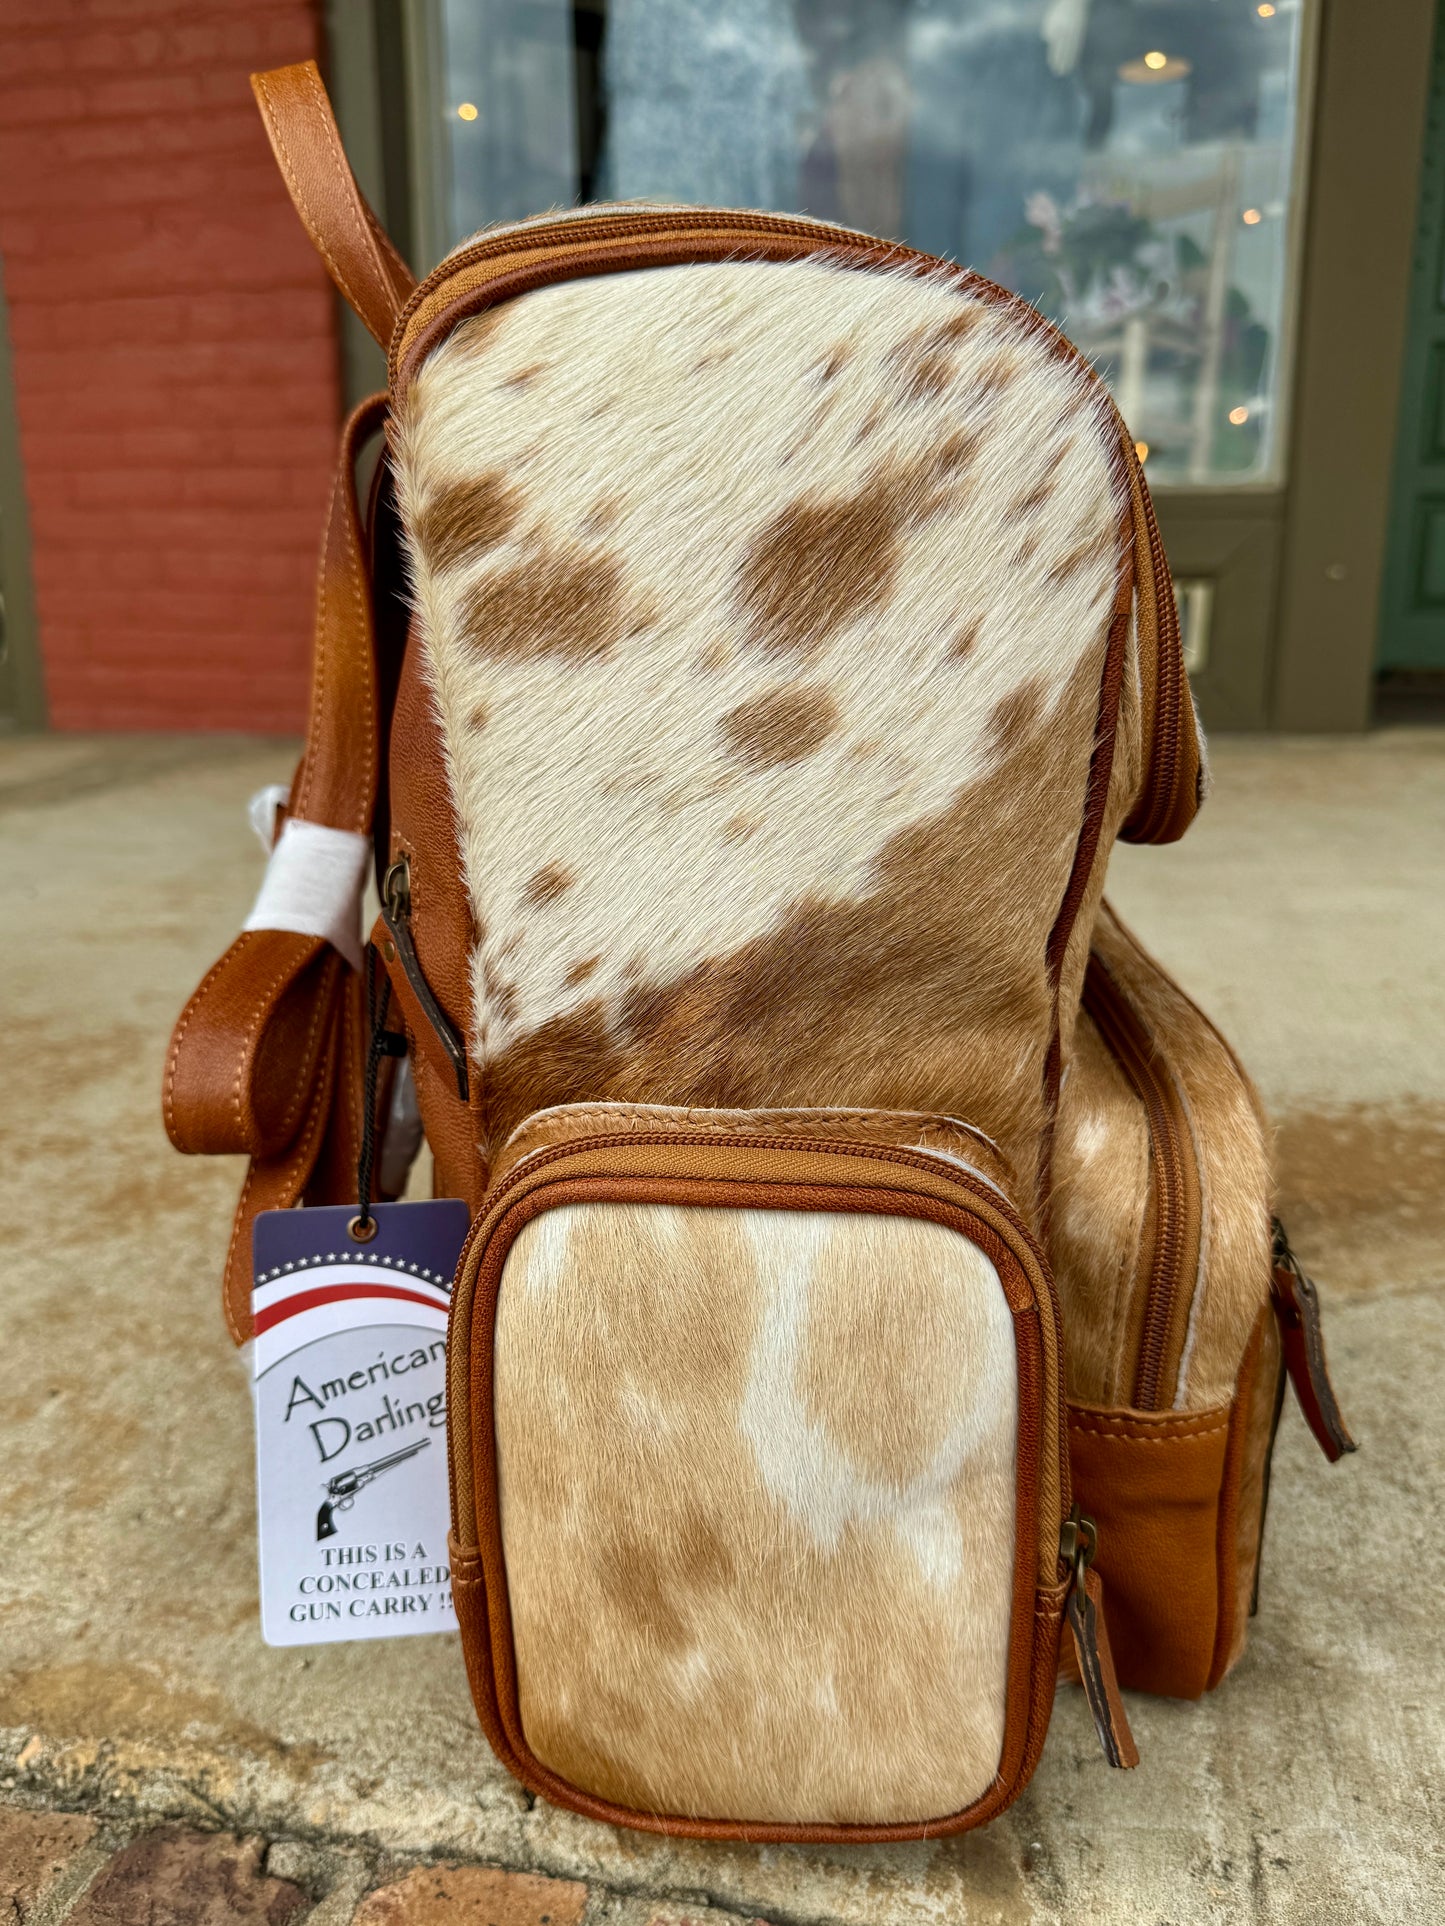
(1152, 1482)
(1180, 1497)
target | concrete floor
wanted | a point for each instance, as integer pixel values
(1307, 912)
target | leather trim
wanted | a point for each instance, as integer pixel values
(1151, 1482)
(576, 1123)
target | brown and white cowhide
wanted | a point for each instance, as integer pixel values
(757, 1490)
(765, 607)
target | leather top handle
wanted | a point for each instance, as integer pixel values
(344, 231)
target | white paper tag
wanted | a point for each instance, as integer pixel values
(350, 1391)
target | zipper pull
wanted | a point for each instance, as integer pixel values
(1297, 1307)
(1078, 1541)
(396, 914)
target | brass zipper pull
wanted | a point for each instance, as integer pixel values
(1297, 1307)
(1078, 1540)
(396, 914)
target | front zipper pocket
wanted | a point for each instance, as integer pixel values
(758, 1477)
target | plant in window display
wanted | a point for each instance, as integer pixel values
(1180, 346)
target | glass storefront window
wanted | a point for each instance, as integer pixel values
(1128, 165)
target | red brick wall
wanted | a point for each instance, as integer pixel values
(175, 352)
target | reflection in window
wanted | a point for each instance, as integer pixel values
(1126, 164)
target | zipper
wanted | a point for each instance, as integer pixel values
(976, 1186)
(1174, 1180)
(396, 914)
(1169, 674)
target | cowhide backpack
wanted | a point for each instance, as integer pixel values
(754, 639)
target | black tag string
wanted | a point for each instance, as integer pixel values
(381, 1042)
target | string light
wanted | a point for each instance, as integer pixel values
(1239, 416)
(1266, 11)
(1156, 60)
(1252, 217)
(466, 111)
(1141, 449)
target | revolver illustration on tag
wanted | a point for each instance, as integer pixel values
(342, 1489)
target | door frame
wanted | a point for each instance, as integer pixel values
(1364, 182)
(22, 680)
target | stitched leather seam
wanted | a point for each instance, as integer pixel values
(354, 214)
(293, 179)
(362, 813)
(168, 1106)
(302, 803)
(289, 1114)
(300, 1162)
(264, 1009)
(1120, 1435)
(238, 1336)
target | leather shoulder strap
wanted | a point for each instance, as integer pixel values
(265, 1058)
(345, 233)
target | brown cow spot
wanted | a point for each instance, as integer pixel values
(782, 725)
(580, 972)
(737, 829)
(964, 643)
(462, 520)
(835, 361)
(716, 655)
(1016, 717)
(1095, 547)
(502, 997)
(524, 377)
(995, 375)
(820, 564)
(473, 337)
(562, 601)
(479, 716)
(1035, 499)
(637, 1580)
(602, 515)
(923, 361)
(549, 882)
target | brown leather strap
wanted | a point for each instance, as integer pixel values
(266, 1056)
(249, 1046)
(346, 234)
(303, 1170)
(336, 783)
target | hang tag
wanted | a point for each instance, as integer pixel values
(349, 1372)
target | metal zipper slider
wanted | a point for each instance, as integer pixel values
(396, 914)
(1296, 1304)
(1078, 1541)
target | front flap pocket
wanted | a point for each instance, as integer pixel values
(756, 1430)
